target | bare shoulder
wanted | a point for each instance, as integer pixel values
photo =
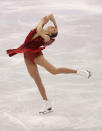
(43, 35)
(46, 37)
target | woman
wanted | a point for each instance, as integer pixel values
(33, 56)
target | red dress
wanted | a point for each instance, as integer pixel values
(31, 48)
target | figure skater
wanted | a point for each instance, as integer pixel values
(37, 40)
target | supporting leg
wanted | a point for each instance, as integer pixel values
(33, 71)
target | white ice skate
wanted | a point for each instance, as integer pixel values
(46, 107)
(84, 73)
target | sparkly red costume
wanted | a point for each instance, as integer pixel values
(31, 48)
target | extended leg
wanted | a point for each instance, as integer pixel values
(52, 69)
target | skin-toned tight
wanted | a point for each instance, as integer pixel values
(34, 73)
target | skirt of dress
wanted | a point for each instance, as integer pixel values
(31, 56)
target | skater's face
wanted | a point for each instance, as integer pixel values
(52, 29)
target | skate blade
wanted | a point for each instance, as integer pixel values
(89, 74)
(46, 112)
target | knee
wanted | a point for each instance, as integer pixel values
(54, 71)
(35, 77)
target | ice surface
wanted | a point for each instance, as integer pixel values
(77, 102)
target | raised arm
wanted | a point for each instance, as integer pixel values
(45, 20)
(52, 18)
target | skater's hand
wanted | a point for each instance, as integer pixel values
(45, 19)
